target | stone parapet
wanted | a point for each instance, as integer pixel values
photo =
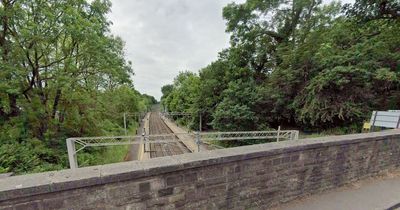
(256, 176)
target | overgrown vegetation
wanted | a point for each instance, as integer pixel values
(299, 64)
(62, 75)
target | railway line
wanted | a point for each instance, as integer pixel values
(158, 127)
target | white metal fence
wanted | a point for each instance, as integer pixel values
(74, 145)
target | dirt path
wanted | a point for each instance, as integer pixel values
(134, 148)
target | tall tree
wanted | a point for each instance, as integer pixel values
(60, 70)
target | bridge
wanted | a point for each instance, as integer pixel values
(248, 177)
(162, 137)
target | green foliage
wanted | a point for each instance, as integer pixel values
(367, 10)
(235, 111)
(62, 75)
(299, 64)
(33, 157)
(101, 156)
(182, 96)
(212, 84)
(334, 97)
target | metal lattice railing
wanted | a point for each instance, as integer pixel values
(121, 140)
(83, 142)
(249, 135)
(74, 145)
(166, 114)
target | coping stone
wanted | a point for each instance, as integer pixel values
(77, 178)
(33, 184)
(160, 165)
(24, 185)
(121, 171)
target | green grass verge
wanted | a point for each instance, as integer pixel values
(106, 155)
(112, 154)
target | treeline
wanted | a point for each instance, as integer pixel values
(298, 64)
(62, 75)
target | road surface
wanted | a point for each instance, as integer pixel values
(371, 194)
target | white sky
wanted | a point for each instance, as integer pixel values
(164, 37)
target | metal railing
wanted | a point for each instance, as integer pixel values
(74, 145)
(166, 114)
(249, 135)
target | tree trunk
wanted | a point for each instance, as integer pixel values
(55, 104)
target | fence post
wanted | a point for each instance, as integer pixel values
(398, 123)
(200, 122)
(279, 130)
(198, 141)
(73, 162)
(144, 139)
(126, 133)
(373, 122)
(295, 135)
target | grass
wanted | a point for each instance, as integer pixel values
(106, 155)
(113, 154)
(331, 132)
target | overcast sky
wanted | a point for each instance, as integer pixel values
(164, 37)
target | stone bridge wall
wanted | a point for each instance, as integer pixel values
(256, 177)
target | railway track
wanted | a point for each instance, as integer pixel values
(158, 127)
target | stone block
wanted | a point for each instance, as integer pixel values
(212, 172)
(157, 202)
(144, 187)
(177, 197)
(214, 181)
(190, 177)
(7, 207)
(173, 180)
(32, 205)
(165, 192)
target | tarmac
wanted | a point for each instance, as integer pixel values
(381, 193)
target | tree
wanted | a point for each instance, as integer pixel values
(213, 82)
(166, 90)
(183, 96)
(235, 112)
(60, 70)
(368, 10)
(300, 64)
